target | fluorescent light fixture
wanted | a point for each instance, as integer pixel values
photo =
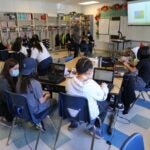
(88, 2)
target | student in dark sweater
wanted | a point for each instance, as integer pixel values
(138, 76)
(8, 81)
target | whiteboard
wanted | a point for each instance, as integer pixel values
(103, 26)
(114, 27)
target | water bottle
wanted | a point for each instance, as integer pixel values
(100, 61)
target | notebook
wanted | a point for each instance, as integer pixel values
(104, 75)
(55, 75)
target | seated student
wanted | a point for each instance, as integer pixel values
(41, 54)
(83, 85)
(18, 47)
(138, 76)
(8, 80)
(30, 87)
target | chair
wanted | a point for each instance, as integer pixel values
(133, 142)
(4, 55)
(18, 106)
(140, 93)
(73, 108)
(68, 58)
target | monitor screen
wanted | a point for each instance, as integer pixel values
(139, 12)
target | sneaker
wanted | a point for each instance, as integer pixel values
(120, 106)
(73, 125)
(98, 132)
(40, 127)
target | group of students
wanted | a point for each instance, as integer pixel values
(25, 82)
(80, 85)
(34, 49)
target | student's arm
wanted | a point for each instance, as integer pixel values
(129, 67)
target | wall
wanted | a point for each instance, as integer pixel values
(92, 10)
(36, 6)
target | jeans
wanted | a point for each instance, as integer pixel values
(44, 65)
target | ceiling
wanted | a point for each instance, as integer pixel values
(74, 2)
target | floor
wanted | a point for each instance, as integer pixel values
(138, 120)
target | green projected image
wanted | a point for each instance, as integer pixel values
(139, 14)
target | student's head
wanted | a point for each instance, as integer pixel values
(35, 44)
(17, 44)
(143, 52)
(29, 66)
(28, 72)
(11, 68)
(36, 37)
(84, 66)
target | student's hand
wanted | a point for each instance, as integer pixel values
(46, 95)
(104, 84)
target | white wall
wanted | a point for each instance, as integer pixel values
(36, 6)
(92, 10)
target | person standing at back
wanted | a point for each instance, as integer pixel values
(76, 38)
(41, 54)
(84, 85)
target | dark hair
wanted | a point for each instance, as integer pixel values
(17, 44)
(9, 63)
(25, 81)
(83, 65)
(143, 52)
(36, 37)
(36, 44)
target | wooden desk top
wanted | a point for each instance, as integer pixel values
(1, 65)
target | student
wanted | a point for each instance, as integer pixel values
(41, 54)
(138, 76)
(76, 39)
(30, 87)
(83, 85)
(18, 47)
(8, 81)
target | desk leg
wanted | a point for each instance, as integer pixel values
(113, 116)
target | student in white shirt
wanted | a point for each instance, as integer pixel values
(18, 47)
(84, 85)
(41, 54)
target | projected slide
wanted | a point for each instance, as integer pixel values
(138, 13)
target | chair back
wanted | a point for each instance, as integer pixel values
(4, 55)
(73, 107)
(17, 105)
(133, 142)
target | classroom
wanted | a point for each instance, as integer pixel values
(74, 74)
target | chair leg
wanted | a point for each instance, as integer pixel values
(37, 141)
(93, 138)
(52, 123)
(57, 135)
(10, 132)
(142, 95)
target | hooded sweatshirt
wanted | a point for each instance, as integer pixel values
(90, 90)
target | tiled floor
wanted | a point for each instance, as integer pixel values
(138, 120)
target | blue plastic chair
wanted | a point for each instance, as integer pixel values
(66, 103)
(140, 91)
(133, 142)
(18, 106)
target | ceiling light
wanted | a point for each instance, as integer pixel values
(88, 2)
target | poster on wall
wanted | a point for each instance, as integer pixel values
(114, 27)
(103, 26)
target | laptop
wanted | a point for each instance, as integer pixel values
(104, 75)
(55, 75)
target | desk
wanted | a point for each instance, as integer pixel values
(61, 88)
(118, 41)
(1, 66)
